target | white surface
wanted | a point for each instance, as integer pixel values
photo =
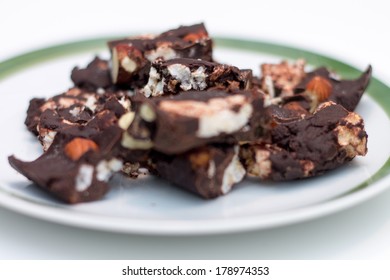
(362, 232)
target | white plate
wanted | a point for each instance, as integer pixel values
(152, 206)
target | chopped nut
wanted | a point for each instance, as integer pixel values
(285, 76)
(129, 65)
(136, 144)
(307, 167)
(131, 169)
(76, 148)
(263, 166)
(318, 90)
(46, 137)
(147, 113)
(126, 120)
(350, 136)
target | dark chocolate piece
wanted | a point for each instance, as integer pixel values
(184, 74)
(95, 76)
(209, 171)
(309, 146)
(33, 114)
(131, 57)
(74, 180)
(76, 107)
(344, 92)
(176, 124)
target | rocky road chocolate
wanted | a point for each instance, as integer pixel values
(76, 107)
(131, 57)
(309, 146)
(162, 103)
(344, 92)
(209, 171)
(184, 74)
(173, 125)
(74, 169)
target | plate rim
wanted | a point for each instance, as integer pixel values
(377, 183)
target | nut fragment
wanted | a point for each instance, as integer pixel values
(129, 65)
(76, 148)
(125, 121)
(200, 159)
(147, 113)
(195, 37)
(281, 79)
(351, 136)
(132, 143)
(318, 90)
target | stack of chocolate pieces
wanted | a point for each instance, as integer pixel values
(162, 103)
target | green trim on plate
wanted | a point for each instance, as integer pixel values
(379, 91)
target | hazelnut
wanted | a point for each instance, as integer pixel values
(76, 148)
(200, 159)
(318, 90)
(195, 37)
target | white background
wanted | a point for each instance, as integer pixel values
(354, 31)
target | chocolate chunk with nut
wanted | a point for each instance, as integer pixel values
(184, 74)
(176, 124)
(209, 171)
(131, 57)
(75, 107)
(309, 146)
(344, 92)
(74, 169)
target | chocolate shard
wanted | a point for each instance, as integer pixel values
(209, 171)
(176, 124)
(344, 92)
(33, 114)
(131, 57)
(184, 74)
(70, 177)
(95, 76)
(309, 146)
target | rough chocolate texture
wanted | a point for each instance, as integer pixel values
(184, 74)
(209, 171)
(192, 119)
(131, 57)
(96, 75)
(73, 108)
(56, 173)
(33, 114)
(163, 104)
(309, 146)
